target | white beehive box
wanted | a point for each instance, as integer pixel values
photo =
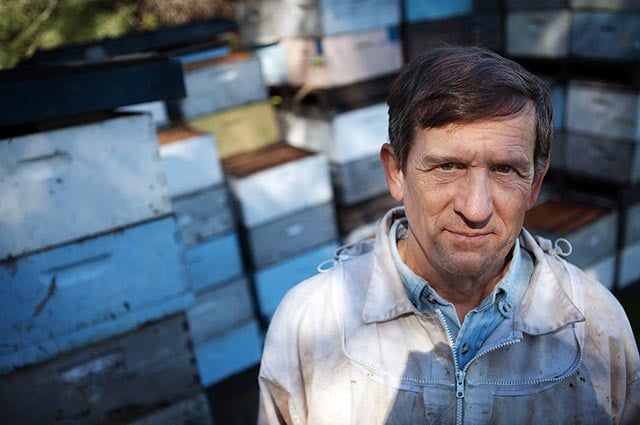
(221, 83)
(343, 59)
(543, 34)
(190, 160)
(277, 180)
(603, 110)
(64, 184)
(263, 22)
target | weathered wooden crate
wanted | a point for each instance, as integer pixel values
(229, 353)
(543, 34)
(214, 261)
(423, 36)
(420, 10)
(111, 382)
(602, 109)
(591, 230)
(203, 215)
(605, 35)
(190, 160)
(603, 158)
(286, 236)
(241, 129)
(273, 282)
(219, 310)
(217, 84)
(275, 181)
(263, 22)
(73, 182)
(190, 411)
(338, 60)
(58, 300)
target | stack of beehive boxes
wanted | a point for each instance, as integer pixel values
(225, 112)
(337, 58)
(596, 120)
(92, 285)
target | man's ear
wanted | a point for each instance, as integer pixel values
(537, 184)
(393, 172)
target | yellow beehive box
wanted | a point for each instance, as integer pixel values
(242, 129)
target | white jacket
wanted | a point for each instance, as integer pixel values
(348, 347)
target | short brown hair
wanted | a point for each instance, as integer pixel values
(465, 84)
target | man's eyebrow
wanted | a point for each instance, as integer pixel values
(431, 159)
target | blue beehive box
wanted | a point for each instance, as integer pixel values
(58, 300)
(273, 282)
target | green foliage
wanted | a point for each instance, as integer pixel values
(26, 25)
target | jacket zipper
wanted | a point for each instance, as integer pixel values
(461, 374)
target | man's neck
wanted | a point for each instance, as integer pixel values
(464, 292)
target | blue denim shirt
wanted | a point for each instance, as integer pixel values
(482, 320)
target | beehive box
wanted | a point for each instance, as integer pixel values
(262, 22)
(601, 109)
(73, 182)
(79, 293)
(241, 129)
(606, 35)
(591, 230)
(277, 180)
(338, 60)
(214, 261)
(273, 282)
(543, 34)
(217, 84)
(113, 381)
(203, 215)
(352, 142)
(190, 160)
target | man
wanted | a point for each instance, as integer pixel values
(455, 313)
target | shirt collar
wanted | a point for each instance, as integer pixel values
(386, 298)
(505, 296)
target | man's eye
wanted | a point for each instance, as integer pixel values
(447, 166)
(503, 169)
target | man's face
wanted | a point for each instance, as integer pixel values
(466, 188)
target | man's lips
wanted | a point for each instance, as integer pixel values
(468, 236)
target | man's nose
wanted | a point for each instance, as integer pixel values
(474, 200)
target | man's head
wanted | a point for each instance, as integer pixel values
(461, 85)
(470, 137)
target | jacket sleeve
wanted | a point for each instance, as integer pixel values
(274, 404)
(631, 412)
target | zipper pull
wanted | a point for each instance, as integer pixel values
(460, 376)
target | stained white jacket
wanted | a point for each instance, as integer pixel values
(348, 347)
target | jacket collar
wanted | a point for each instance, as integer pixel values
(545, 307)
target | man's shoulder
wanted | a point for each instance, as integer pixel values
(313, 296)
(598, 301)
